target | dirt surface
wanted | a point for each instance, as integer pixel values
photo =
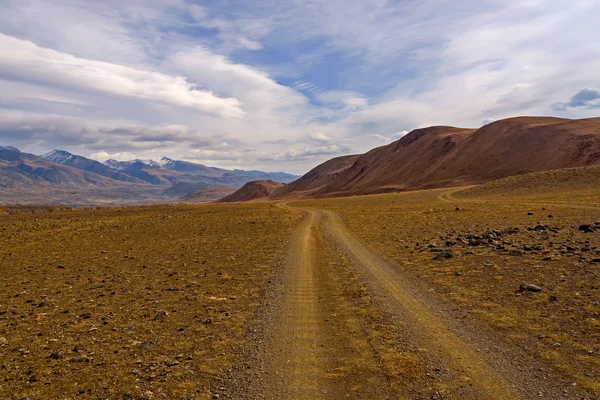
(469, 293)
(132, 303)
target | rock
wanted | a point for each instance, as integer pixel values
(443, 254)
(43, 304)
(516, 253)
(552, 298)
(3, 342)
(161, 316)
(530, 213)
(595, 260)
(539, 227)
(528, 287)
(458, 273)
(488, 265)
(550, 216)
(144, 345)
(457, 209)
(597, 223)
(78, 348)
(586, 228)
(57, 355)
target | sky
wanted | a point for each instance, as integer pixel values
(283, 85)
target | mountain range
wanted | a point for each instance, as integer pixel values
(426, 158)
(444, 156)
(65, 178)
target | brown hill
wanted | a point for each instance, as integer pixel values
(317, 178)
(572, 180)
(208, 194)
(252, 191)
(445, 156)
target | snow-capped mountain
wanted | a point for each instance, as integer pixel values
(9, 148)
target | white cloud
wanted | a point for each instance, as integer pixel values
(398, 135)
(23, 60)
(319, 137)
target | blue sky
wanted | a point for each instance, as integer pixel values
(283, 85)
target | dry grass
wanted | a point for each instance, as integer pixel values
(131, 303)
(560, 324)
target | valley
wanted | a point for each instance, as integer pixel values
(481, 292)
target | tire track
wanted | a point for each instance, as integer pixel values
(300, 359)
(488, 383)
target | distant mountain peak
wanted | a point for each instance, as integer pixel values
(10, 148)
(57, 156)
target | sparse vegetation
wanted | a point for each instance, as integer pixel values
(147, 302)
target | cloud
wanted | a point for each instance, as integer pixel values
(167, 76)
(49, 131)
(25, 61)
(398, 135)
(319, 137)
(307, 153)
(585, 98)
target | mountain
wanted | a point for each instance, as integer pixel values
(169, 171)
(30, 179)
(188, 167)
(316, 178)
(65, 158)
(66, 178)
(208, 194)
(252, 191)
(443, 156)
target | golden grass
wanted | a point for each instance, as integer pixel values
(156, 299)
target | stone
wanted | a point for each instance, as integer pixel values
(57, 355)
(77, 348)
(586, 228)
(161, 316)
(530, 213)
(145, 345)
(528, 287)
(443, 254)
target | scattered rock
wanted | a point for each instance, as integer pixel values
(586, 228)
(552, 298)
(443, 254)
(78, 348)
(528, 287)
(458, 273)
(516, 253)
(144, 345)
(57, 355)
(488, 265)
(43, 304)
(3, 342)
(530, 213)
(161, 316)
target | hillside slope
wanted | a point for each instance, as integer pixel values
(316, 178)
(252, 191)
(445, 156)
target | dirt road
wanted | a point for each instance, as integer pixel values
(325, 343)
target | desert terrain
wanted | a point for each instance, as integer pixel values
(479, 292)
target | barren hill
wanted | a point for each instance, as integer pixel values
(444, 156)
(316, 178)
(252, 191)
(207, 194)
